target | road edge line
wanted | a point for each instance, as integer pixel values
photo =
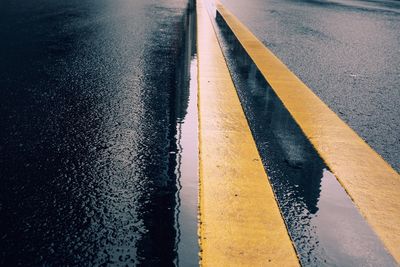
(240, 222)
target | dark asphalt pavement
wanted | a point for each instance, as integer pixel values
(88, 124)
(347, 52)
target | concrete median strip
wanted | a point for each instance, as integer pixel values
(372, 183)
(240, 222)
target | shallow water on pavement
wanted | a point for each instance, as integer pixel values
(88, 119)
(323, 222)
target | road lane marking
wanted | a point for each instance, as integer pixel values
(371, 182)
(240, 222)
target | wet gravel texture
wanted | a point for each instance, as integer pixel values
(86, 118)
(348, 52)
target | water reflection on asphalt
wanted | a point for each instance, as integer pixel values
(324, 224)
(88, 120)
(186, 154)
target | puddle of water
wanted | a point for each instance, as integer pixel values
(187, 181)
(186, 153)
(325, 226)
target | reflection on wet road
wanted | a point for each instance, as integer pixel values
(323, 222)
(346, 51)
(88, 131)
(186, 153)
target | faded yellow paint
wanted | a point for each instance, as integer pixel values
(369, 180)
(240, 222)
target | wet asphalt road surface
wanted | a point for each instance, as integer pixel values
(87, 118)
(324, 224)
(347, 52)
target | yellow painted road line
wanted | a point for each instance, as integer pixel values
(240, 222)
(369, 180)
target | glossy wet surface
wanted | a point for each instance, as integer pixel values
(187, 162)
(324, 224)
(347, 52)
(88, 118)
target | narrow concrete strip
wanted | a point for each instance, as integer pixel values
(240, 222)
(370, 181)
